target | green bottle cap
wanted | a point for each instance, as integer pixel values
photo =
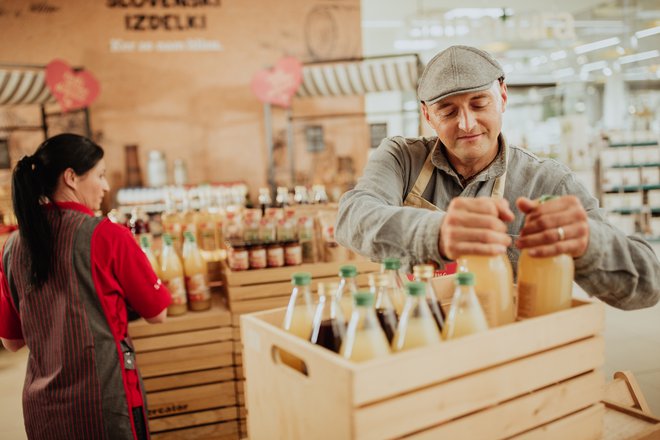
(547, 197)
(416, 288)
(363, 298)
(189, 236)
(391, 264)
(465, 279)
(301, 279)
(348, 271)
(144, 241)
(167, 239)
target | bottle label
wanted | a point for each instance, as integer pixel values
(258, 258)
(238, 260)
(275, 256)
(177, 290)
(293, 255)
(198, 289)
(527, 293)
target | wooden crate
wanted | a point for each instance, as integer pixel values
(497, 384)
(187, 365)
(256, 290)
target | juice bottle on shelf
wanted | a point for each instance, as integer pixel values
(299, 314)
(188, 216)
(197, 278)
(391, 268)
(417, 326)
(171, 273)
(545, 284)
(306, 237)
(493, 286)
(206, 235)
(264, 200)
(424, 273)
(172, 223)
(146, 248)
(465, 315)
(233, 229)
(347, 288)
(328, 327)
(387, 316)
(365, 338)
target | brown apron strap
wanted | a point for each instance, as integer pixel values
(414, 198)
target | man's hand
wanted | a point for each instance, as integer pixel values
(475, 226)
(555, 227)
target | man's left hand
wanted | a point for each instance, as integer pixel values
(555, 227)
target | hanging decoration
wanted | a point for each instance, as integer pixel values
(278, 85)
(72, 89)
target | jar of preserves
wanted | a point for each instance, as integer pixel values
(275, 255)
(257, 256)
(238, 256)
(292, 253)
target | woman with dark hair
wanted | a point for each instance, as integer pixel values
(67, 279)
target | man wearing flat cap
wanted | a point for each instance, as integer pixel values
(466, 191)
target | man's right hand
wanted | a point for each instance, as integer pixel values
(475, 226)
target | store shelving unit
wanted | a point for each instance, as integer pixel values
(629, 186)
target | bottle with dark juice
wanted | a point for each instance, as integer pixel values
(385, 311)
(424, 273)
(328, 328)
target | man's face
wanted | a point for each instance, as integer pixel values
(468, 124)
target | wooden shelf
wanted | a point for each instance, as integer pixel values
(638, 165)
(632, 188)
(634, 144)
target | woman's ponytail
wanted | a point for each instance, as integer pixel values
(35, 230)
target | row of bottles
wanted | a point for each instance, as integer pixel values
(185, 277)
(376, 327)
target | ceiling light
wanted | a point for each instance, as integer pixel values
(559, 55)
(639, 57)
(594, 66)
(648, 32)
(597, 45)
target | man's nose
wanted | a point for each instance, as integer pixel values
(466, 120)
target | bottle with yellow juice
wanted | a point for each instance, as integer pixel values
(417, 326)
(196, 275)
(172, 223)
(391, 267)
(145, 245)
(171, 273)
(545, 284)
(465, 315)
(365, 339)
(493, 286)
(299, 314)
(347, 288)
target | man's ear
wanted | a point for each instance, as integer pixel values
(503, 93)
(70, 178)
(425, 111)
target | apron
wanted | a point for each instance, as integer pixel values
(414, 198)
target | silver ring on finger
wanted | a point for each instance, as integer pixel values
(561, 233)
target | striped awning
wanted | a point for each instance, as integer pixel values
(341, 78)
(24, 86)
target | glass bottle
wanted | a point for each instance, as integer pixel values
(365, 338)
(172, 222)
(465, 315)
(265, 200)
(417, 326)
(328, 327)
(171, 273)
(196, 275)
(299, 314)
(545, 284)
(145, 245)
(306, 237)
(391, 267)
(424, 273)
(493, 286)
(387, 316)
(347, 288)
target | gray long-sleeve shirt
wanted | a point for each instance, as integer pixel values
(621, 270)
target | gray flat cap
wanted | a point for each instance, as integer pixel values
(457, 69)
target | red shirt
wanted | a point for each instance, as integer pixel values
(121, 273)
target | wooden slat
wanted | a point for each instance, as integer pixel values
(280, 274)
(193, 419)
(257, 305)
(242, 412)
(238, 358)
(521, 414)
(187, 400)
(585, 425)
(281, 288)
(181, 380)
(448, 400)
(178, 360)
(235, 320)
(236, 333)
(218, 431)
(183, 339)
(217, 316)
